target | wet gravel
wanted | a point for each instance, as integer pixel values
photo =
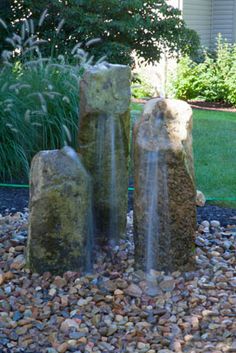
(116, 308)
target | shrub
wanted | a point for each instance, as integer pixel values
(122, 26)
(211, 80)
(141, 88)
(39, 102)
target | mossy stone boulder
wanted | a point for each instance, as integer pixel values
(164, 197)
(60, 237)
(104, 132)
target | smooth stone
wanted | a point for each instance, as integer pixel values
(2, 279)
(76, 335)
(205, 224)
(106, 346)
(62, 348)
(69, 324)
(153, 290)
(109, 285)
(17, 316)
(51, 350)
(82, 302)
(18, 263)
(167, 285)
(133, 290)
(111, 330)
(200, 199)
(215, 224)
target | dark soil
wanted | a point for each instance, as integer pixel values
(226, 216)
(13, 199)
(220, 106)
(16, 199)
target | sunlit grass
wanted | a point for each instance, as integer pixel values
(214, 145)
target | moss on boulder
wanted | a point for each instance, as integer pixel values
(60, 213)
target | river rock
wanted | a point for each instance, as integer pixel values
(164, 197)
(133, 290)
(60, 210)
(104, 144)
(69, 324)
(2, 278)
(200, 199)
(215, 224)
(18, 263)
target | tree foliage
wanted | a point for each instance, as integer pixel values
(149, 27)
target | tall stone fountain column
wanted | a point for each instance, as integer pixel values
(164, 198)
(104, 133)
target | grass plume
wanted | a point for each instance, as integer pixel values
(39, 100)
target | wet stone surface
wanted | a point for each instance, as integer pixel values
(118, 309)
(164, 186)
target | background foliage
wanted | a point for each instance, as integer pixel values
(39, 102)
(122, 26)
(211, 80)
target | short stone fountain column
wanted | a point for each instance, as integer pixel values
(60, 226)
(164, 197)
(104, 133)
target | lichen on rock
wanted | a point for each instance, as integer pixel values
(164, 197)
(60, 237)
(104, 132)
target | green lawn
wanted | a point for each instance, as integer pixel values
(214, 145)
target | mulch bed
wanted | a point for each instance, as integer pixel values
(13, 199)
(16, 199)
(220, 106)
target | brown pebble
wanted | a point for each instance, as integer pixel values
(62, 348)
(2, 278)
(8, 276)
(82, 340)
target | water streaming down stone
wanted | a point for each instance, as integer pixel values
(164, 198)
(153, 192)
(61, 226)
(113, 227)
(104, 145)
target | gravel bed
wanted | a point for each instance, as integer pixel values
(116, 308)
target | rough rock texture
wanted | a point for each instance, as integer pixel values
(164, 198)
(104, 144)
(60, 209)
